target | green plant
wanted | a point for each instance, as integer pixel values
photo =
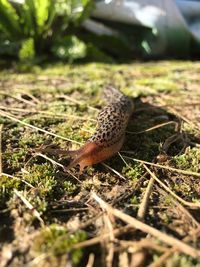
(35, 27)
(56, 240)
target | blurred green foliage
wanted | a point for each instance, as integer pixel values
(31, 28)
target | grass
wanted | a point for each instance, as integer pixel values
(48, 214)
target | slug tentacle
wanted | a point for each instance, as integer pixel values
(109, 135)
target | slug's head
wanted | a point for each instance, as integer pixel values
(85, 156)
(92, 153)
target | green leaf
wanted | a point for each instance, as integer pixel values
(27, 51)
(28, 15)
(41, 13)
(46, 23)
(9, 20)
(52, 15)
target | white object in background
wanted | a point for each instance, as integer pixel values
(175, 22)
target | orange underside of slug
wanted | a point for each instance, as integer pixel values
(91, 154)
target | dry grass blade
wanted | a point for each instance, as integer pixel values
(19, 99)
(162, 166)
(144, 203)
(77, 102)
(58, 164)
(181, 246)
(123, 259)
(178, 206)
(160, 261)
(51, 160)
(69, 210)
(162, 258)
(143, 206)
(114, 171)
(139, 255)
(109, 243)
(4, 114)
(99, 239)
(153, 128)
(186, 203)
(178, 114)
(90, 262)
(37, 261)
(1, 128)
(20, 110)
(17, 178)
(29, 95)
(29, 206)
(143, 243)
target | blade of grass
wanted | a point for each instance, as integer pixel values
(4, 114)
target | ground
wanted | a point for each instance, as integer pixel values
(139, 208)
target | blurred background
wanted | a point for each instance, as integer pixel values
(34, 31)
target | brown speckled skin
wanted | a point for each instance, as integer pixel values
(109, 135)
(113, 119)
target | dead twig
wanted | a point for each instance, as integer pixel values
(109, 243)
(134, 246)
(99, 239)
(123, 259)
(181, 246)
(90, 262)
(159, 262)
(144, 203)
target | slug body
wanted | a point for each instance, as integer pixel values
(109, 135)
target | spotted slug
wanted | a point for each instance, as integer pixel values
(109, 135)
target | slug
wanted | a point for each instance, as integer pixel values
(109, 135)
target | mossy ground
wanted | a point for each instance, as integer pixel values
(65, 100)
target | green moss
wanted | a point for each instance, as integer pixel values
(189, 161)
(42, 177)
(70, 130)
(132, 171)
(31, 139)
(180, 260)
(134, 200)
(7, 184)
(56, 240)
(69, 187)
(18, 157)
(158, 84)
(184, 188)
